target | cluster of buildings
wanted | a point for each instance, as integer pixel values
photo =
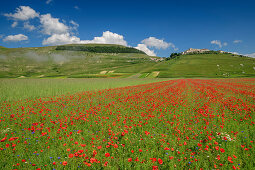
(157, 59)
(193, 50)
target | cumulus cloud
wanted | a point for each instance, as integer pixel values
(23, 13)
(219, 43)
(14, 24)
(154, 42)
(15, 38)
(52, 25)
(145, 49)
(237, 41)
(107, 38)
(59, 32)
(48, 1)
(28, 26)
(60, 39)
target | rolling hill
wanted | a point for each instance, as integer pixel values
(219, 65)
(73, 61)
(107, 60)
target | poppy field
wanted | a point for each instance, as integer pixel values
(175, 124)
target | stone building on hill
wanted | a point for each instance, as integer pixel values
(192, 50)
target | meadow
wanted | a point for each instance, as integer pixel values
(18, 89)
(173, 124)
(207, 66)
(104, 61)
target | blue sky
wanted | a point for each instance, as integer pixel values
(156, 27)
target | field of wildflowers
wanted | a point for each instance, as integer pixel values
(176, 124)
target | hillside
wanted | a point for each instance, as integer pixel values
(206, 65)
(73, 61)
(107, 60)
(99, 48)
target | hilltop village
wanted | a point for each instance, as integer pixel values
(193, 50)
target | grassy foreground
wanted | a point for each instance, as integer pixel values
(17, 89)
(177, 124)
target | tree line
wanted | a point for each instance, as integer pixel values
(100, 49)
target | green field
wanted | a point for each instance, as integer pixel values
(48, 62)
(17, 89)
(175, 124)
(206, 65)
(104, 61)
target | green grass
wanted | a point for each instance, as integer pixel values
(17, 89)
(207, 65)
(177, 124)
(47, 62)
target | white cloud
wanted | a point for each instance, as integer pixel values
(237, 41)
(218, 42)
(236, 53)
(58, 31)
(173, 46)
(157, 43)
(250, 55)
(76, 7)
(23, 13)
(60, 39)
(28, 26)
(107, 38)
(48, 1)
(52, 25)
(75, 25)
(145, 49)
(15, 38)
(14, 24)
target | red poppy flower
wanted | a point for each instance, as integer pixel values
(64, 163)
(105, 164)
(154, 167)
(107, 155)
(2, 140)
(222, 150)
(160, 161)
